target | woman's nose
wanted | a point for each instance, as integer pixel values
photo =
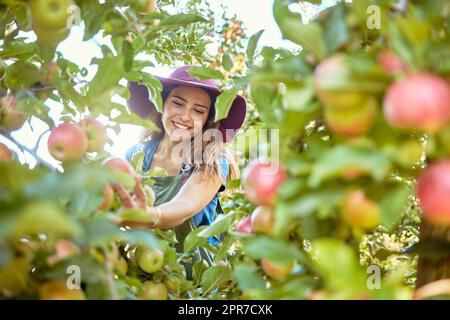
(185, 115)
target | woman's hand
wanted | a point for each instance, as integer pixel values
(135, 200)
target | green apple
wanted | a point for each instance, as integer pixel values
(353, 121)
(152, 291)
(150, 260)
(58, 290)
(52, 14)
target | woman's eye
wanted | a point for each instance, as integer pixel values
(199, 111)
(177, 103)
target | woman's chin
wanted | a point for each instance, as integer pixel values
(180, 135)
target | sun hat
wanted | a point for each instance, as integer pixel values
(140, 103)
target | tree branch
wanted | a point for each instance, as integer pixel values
(23, 148)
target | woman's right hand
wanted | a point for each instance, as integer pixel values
(135, 200)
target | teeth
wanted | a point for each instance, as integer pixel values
(180, 126)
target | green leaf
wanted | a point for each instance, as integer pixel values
(251, 47)
(142, 237)
(134, 215)
(339, 265)
(100, 231)
(215, 277)
(224, 102)
(18, 48)
(92, 271)
(110, 71)
(336, 161)
(273, 249)
(290, 213)
(335, 29)
(154, 87)
(198, 269)
(221, 224)
(309, 36)
(393, 205)
(227, 61)
(193, 240)
(180, 20)
(44, 216)
(204, 73)
(247, 277)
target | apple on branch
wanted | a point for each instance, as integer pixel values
(10, 118)
(433, 190)
(151, 290)
(327, 74)
(95, 133)
(67, 142)
(5, 154)
(245, 225)
(262, 220)
(261, 180)
(150, 260)
(420, 101)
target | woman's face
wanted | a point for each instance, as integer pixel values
(186, 111)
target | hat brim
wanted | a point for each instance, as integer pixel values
(140, 103)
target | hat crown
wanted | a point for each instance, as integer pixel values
(182, 74)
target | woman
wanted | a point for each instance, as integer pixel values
(190, 146)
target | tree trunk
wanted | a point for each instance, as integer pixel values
(429, 270)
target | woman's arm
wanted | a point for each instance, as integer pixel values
(193, 196)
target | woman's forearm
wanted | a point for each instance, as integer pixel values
(173, 213)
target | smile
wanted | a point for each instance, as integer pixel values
(180, 126)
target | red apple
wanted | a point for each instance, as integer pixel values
(328, 73)
(118, 164)
(263, 220)
(276, 270)
(390, 63)
(150, 260)
(420, 101)
(67, 142)
(351, 122)
(95, 133)
(108, 198)
(5, 154)
(10, 118)
(52, 72)
(153, 291)
(58, 290)
(360, 211)
(63, 249)
(245, 225)
(261, 180)
(433, 190)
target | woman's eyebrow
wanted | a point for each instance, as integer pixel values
(195, 104)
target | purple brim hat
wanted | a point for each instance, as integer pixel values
(140, 103)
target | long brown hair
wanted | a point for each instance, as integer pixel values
(212, 150)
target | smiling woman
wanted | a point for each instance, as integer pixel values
(191, 147)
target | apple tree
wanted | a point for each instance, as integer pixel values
(60, 237)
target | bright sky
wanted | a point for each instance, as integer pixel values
(81, 53)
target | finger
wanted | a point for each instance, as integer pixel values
(140, 196)
(124, 196)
